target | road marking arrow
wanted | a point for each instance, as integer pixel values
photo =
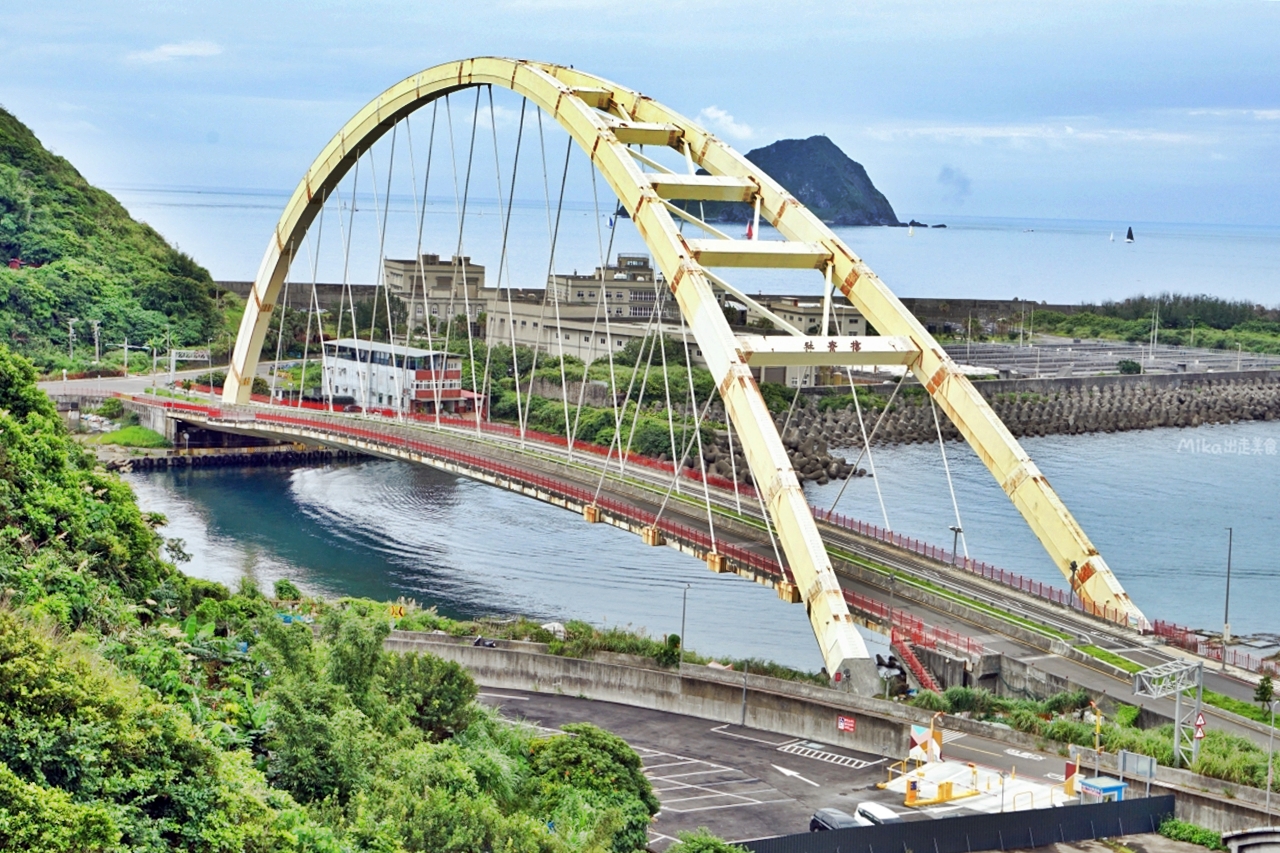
(785, 772)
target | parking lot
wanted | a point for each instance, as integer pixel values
(743, 783)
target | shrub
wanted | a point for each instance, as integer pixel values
(435, 694)
(1128, 367)
(111, 408)
(930, 701)
(703, 841)
(1180, 830)
(286, 590)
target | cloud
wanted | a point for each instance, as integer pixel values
(958, 185)
(1026, 133)
(178, 50)
(723, 123)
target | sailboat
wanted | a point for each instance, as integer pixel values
(1128, 238)
(1113, 236)
(911, 231)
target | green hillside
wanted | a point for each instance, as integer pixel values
(84, 257)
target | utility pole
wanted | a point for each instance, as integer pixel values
(97, 350)
(1271, 751)
(1226, 609)
(955, 541)
(71, 337)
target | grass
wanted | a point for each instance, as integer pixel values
(134, 436)
(954, 596)
(1111, 658)
(1238, 706)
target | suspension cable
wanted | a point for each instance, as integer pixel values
(866, 444)
(422, 270)
(946, 467)
(502, 256)
(312, 309)
(462, 259)
(697, 431)
(511, 318)
(874, 429)
(284, 309)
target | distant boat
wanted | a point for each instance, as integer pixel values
(911, 231)
(1128, 238)
(1113, 236)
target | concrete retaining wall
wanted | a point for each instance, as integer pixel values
(789, 708)
(796, 710)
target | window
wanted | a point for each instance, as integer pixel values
(602, 340)
(586, 337)
(579, 294)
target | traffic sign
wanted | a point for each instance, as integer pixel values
(1199, 727)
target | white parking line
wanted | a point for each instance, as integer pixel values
(713, 794)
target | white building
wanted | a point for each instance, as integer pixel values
(399, 378)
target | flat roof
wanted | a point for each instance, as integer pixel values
(379, 346)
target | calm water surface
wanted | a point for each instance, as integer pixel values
(1156, 503)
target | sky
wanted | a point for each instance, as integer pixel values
(1134, 111)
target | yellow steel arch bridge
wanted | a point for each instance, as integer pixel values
(609, 123)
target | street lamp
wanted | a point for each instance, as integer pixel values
(684, 607)
(1226, 609)
(1074, 568)
(1271, 746)
(956, 530)
(893, 576)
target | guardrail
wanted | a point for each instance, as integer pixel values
(1185, 638)
(985, 570)
(913, 628)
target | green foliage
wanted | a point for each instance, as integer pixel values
(703, 841)
(1264, 692)
(1203, 321)
(1128, 366)
(286, 590)
(930, 701)
(46, 820)
(1237, 706)
(112, 409)
(144, 710)
(435, 694)
(134, 436)
(1180, 830)
(96, 262)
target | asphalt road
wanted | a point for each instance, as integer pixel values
(743, 783)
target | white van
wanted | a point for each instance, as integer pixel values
(875, 814)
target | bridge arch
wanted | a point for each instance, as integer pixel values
(604, 119)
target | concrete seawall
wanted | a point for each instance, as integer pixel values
(1061, 406)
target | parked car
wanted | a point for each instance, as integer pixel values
(875, 814)
(825, 819)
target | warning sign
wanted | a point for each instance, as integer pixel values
(846, 724)
(1199, 726)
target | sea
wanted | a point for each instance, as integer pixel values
(1158, 504)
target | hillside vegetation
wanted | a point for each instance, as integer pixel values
(84, 257)
(1202, 321)
(143, 710)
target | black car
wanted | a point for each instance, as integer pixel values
(824, 819)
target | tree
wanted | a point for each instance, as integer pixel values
(1265, 692)
(287, 590)
(436, 694)
(703, 841)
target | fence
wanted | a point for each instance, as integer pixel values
(912, 628)
(404, 440)
(505, 430)
(1007, 830)
(1187, 639)
(933, 552)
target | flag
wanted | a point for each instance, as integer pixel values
(750, 231)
